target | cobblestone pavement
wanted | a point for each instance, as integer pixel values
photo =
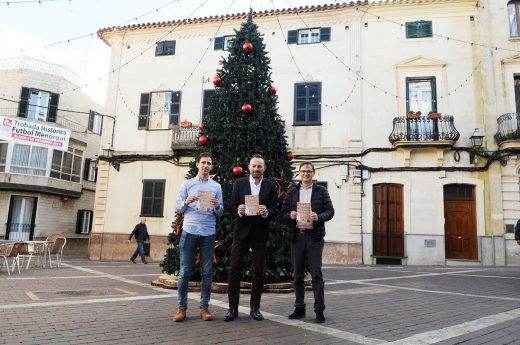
(87, 302)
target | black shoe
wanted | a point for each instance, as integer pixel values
(146, 262)
(297, 314)
(231, 314)
(133, 261)
(320, 318)
(256, 314)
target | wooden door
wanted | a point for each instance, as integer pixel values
(460, 227)
(388, 229)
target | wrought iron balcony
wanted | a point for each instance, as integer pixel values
(184, 138)
(424, 130)
(508, 128)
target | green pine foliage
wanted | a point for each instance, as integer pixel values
(234, 136)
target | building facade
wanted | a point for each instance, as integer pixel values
(385, 98)
(45, 190)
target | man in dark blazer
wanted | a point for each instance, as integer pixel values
(306, 237)
(250, 231)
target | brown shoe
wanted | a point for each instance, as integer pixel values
(180, 315)
(205, 314)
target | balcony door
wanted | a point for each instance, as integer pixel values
(421, 95)
(388, 225)
(20, 222)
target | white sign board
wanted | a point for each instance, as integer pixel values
(34, 133)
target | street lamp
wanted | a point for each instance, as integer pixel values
(108, 152)
(477, 139)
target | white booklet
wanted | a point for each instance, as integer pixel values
(204, 200)
(252, 205)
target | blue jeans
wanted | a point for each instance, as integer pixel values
(139, 250)
(187, 250)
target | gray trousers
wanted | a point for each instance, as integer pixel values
(305, 250)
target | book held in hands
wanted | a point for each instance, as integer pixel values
(252, 205)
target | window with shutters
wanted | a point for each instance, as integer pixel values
(38, 105)
(159, 110)
(3, 155)
(67, 165)
(307, 104)
(90, 170)
(419, 29)
(223, 42)
(206, 100)
(165, 48)
(152, 204)
(513, 13)
(308, 36)
(95, 122)
(84, 222)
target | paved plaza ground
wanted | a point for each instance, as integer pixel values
(87, 302)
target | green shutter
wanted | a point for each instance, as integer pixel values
(53, 107)
(292, 37)
(219, 43)
(175, 107)
(24, 102)
(324, 34)
(159, 48)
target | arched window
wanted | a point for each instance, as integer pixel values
(513, 12)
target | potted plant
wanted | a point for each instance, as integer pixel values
(413, 115)
(186, 124)
(434, 115)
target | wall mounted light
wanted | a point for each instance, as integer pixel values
(477, 139)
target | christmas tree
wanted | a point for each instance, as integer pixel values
(243, 121)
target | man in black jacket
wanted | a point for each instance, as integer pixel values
(141, 234)
(517, 232)
(250, 231)
(306, 237)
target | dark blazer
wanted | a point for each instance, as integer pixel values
(245, 224)
(517, 230)
(320, 203)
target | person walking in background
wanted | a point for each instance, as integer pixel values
(306, 208)
(517, 232)
(250, 231)
(141, 235)
(200, 199)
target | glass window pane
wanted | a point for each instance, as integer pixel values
(76, 167)
(513, 25)
(300, 115)
(301, 103)
(313, 115)
(314, 90)
(56, 160)
(314, 102)
(21, 155)
(67, 163)
(301, 91)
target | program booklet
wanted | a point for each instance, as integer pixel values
(204, 200)
(252, 205)
(303, 210)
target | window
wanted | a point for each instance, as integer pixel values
(29, 160)
(206, 101)
(308, 36)
(517, 93)
(84, 222)
(513, 12)
(307, 104)
(153, 198)
(67, 165)
(95, 122)
(158, 110)
(223, 42)
(3, 155)
(419, 29)
(90, 170)
(421, 94)
(165, 48)
(38, 105)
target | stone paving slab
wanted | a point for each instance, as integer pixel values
(113, 303)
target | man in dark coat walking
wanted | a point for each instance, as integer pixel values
(141, 235)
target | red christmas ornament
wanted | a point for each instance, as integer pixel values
(290, 156)
(203, 139)
(238, 170)
(247, 47)
(273, 89)
(201, 126)
(217, 80)
(246, 108)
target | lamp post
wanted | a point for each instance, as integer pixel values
(477, 139)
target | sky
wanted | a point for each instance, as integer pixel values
(32, 29)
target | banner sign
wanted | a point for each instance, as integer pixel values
(34, 133)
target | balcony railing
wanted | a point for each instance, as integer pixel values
(423, 130)
(184, 138)
(508, 128)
